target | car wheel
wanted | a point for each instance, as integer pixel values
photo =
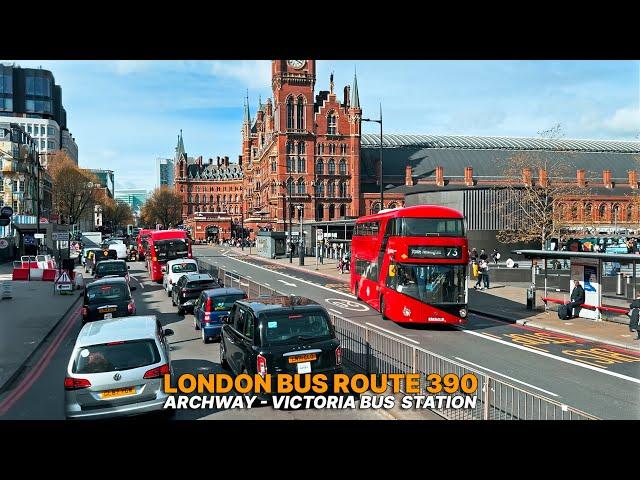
(180, 310)
(205, 339)
(383, 308)
(223, 361)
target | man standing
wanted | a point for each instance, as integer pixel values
(485, 273)
(495, 256)
(483, 255)
(634, 314)
(474, 254)
(577, 299)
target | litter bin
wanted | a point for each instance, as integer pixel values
(531, 297)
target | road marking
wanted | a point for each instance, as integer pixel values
(287, 283)
(248, 276)
(267, 284)
(285, 275)
(392, 333)
(335, 311)
(549, 355)
(139, 281)
(347, 304)
(505, 376)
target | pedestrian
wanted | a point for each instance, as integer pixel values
(495, 256)
(478, 285)
(577, 299)
(485, 273)
(474, 268)
(474, 254)
(321, 253)
(634, 315)
(483, 255)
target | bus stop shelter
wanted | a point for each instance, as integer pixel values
(589, 268)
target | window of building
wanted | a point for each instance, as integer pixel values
(15, 185)
(6, 82)
(332, 211)
(51, 145)
(51, 131)
(301, 165)
(290, 113)
(319, 211)
(602, 210)
(300, 114)
(331, 189)
(40, 86)
(343, 167)
(320, 149)
(290, 186)
(343, 210)
(629, 212)
(6, 103)
(289, 164)
(343, 149)
(343, 189)
(332, 166)
(29, 129)
(332, 149)
(331, 123)
(301, 187)
(43, 144)
(319, 167)
(274, 166)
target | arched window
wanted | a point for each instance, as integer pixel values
(629, 212)
(616, 212)
(274, 166)
(211, 199)
(343, 148)
(588, 211)
(290, 113)
(343, 189)
(290, 150)
(290, 164)
(319, 167)
(301, 165)
(561, 210)
(320, 149)
(224, 199)
(602, 211)
(574, 211)
(236, 197)
(375, 207)
(393, 205)
(331, 189)
(332, 167)
(197, 199)
(319, 211)
(332, 211)
(332, 149)
(300, 186)
(343, 210)
(300, 114)
(331, 123)
(320, 189)
(290, 186)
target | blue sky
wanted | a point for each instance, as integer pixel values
(125, 114)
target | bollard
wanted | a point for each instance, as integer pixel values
(619, 286)
(628, 288)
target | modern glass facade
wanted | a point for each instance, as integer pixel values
(134, 198)
(165, 171)
(106, 179)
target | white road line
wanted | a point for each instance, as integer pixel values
(392, 333)
(248, 276)
(549, 355)
(289, 284)
(289, 276)
(335, 311)
(267, 284)
(137, 280)
(505, 376)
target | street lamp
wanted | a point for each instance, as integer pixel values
(381, 175)
(300, 209)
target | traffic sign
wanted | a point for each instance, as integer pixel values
(6, 211)
(39, 235)
(60, 236)
(319, 235)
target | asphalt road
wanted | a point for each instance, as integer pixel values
(39, 393)
(599, 379)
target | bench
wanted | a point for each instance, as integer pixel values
(603, 308)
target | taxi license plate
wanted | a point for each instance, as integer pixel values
(303, 358)
(107, 316)
(108, 310)
(119, 392)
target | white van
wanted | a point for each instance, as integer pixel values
(174, 269)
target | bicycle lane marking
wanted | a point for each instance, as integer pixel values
(44, 361)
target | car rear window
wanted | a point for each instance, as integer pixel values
(184, 268)
(116, 356)
(201, 284)
(111, 268)
(225, 302)
(101, 293)
(291, 328)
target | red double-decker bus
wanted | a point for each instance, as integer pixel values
(411, 264)
(165, 245)
(141, 241)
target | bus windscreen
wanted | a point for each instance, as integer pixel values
(170, 249)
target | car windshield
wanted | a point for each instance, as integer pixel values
(435, 284)
(225, 302)
(108, 268)
(170, 249)
(108, 292)
(278, 329)
(184, 267)
(116, 356)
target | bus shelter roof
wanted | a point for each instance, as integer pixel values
(562, 254)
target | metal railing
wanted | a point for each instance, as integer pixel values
(375, 352)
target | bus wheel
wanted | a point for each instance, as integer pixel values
(383, 309)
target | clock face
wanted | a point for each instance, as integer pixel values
(297, 64)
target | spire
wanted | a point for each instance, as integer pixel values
(260, 106)
(247, 116)
(331, 83)
(355, 99)
(180, 146)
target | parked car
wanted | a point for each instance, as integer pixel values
(117, 367)
(280, 335)
(188, 289)
(210, 307)
(174, 269)
(107, 298)
(112, 268)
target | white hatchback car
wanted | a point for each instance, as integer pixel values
(174, 269)
(117, 368)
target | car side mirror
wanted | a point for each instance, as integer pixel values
(167, 332)
(133, 289)
(226, 319)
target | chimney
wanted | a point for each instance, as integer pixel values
(606, 178)
(581, 179)
(544, 180)
(199, 161)
(240, 160)
(468, 176)
(526, 176)
(210, 161)
(226, 161)
(218, 161)
(347, 91)
(440, 176)
(633, 179)
(408, 179)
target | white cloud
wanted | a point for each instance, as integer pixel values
(253, 73)
(625, 120)
(126, 67)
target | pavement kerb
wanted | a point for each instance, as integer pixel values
(19, 370)
(556, 330)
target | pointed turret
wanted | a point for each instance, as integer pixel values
(355, 98)
(180, 147)
(247, 115)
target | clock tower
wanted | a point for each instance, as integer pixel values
(293, 81)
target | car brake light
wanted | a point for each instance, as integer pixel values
(157, 372)
(338, 356)
(76, 383)
(207, 307)
(85, 312)
(262, 365)
(131, 307)
(207, 318)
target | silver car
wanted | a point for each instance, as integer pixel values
(117, 368)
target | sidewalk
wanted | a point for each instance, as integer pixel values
(504, 302)
(26, 320)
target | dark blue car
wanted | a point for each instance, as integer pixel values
(210, 307)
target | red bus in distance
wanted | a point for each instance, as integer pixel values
(411, 264)
(165, 245)
(143, 235)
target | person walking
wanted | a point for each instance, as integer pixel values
(634, 316)
(495, 256)
(479, 282)
(485, 273)
(474, 254)
(577, 299)
(483, 254)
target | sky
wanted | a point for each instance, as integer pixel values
(125, 114)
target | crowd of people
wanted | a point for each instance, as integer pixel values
(480, 266)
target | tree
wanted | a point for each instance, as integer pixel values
(116, 213)
(164, 206)
(74, 190)
(536, 183)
